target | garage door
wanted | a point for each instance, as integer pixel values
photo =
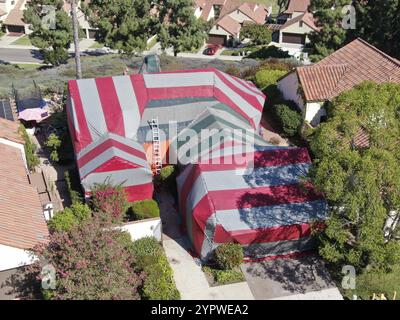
(294, 38)
(216, 39)
(16, 29)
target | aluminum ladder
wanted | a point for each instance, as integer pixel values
(157, 161)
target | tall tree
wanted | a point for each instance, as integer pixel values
(332, 36)
(123, 25)
(51, 29)
(178, 26)
(361, 182)
(378, 22)
(75, 27)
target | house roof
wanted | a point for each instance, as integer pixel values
(16, 15)
(354, 63)
(229, 24)
(298, 6)
(22, 221)
(9, 130)
(307, 18)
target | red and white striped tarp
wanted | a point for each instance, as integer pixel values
(105, 114)
(268, 209)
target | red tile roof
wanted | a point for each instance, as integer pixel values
(342, 70)
(22, 224)
(10, 130)
(307, 18)
(16, 15)
(230, 25)
(298, 6)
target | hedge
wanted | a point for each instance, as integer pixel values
(266, 77)
(68, 218)
(145, 209)
(289, 119)
(229, 255)
(159, 282)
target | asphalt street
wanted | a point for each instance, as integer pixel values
(20, 55)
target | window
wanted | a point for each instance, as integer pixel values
(301, 24)
(12, 2)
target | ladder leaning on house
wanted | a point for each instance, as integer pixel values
(157, 161)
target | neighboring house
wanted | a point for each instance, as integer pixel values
(14, 19)
(229, 16)
(293, 27)
(311, 86)
(22, 220)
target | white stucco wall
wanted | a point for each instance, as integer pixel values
(11, 257)
(197, 12)
(314, 112)
(219, 31)
(289, 87)
(144, 228)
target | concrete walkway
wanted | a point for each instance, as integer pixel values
(189, 278)
(191, 281)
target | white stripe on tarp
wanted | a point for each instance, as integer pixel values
(111, 136)
(171, 80)
(127, 177)
(108, 155)
(272, 216)
(92, 108)
(244, 89)
(129, 106)
(257, 177)
(239, 101)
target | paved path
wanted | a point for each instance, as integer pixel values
(20, 56)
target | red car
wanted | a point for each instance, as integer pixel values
(211, 49)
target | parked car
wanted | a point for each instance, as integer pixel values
(211, 49)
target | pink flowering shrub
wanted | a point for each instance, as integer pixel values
(110, 201)
(91, 262)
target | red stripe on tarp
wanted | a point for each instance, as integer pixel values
(282, 256)
(115, 164)
(250, 86)
(200, 215)
(111, 108)
(180, 92)
(92, 154)
(139, 192)
(139, 87)
(222, 97)
(251, 99)
(252, 236)
(263, 196)
(84, 137)
(260, 159)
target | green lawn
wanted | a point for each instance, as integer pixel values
(96, 45)
(369, 283)
(29, 66)
(23, 41)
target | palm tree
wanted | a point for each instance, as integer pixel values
(75, 26)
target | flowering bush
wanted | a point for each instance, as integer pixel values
(110, 201)
(91, 263)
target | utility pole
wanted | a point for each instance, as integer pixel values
(75, 27)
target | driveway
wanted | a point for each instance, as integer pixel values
(304, 278)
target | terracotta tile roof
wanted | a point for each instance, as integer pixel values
(307, 18)
(359, 140)
(230, 25)
(342, 70)
(16, 15)
(257, 14)
(22, 224)
(10, 130)
(298, 6)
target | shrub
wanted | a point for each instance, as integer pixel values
(224, 276)
(265, 77)
(257, 33)
(233, 71)
(110, 200)
(68, 218)
(229, 255)
(145, 209)
(159, 282)
(30, 150)
(167, 173)
(73, 194)
(269, 52)
(289, 119)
